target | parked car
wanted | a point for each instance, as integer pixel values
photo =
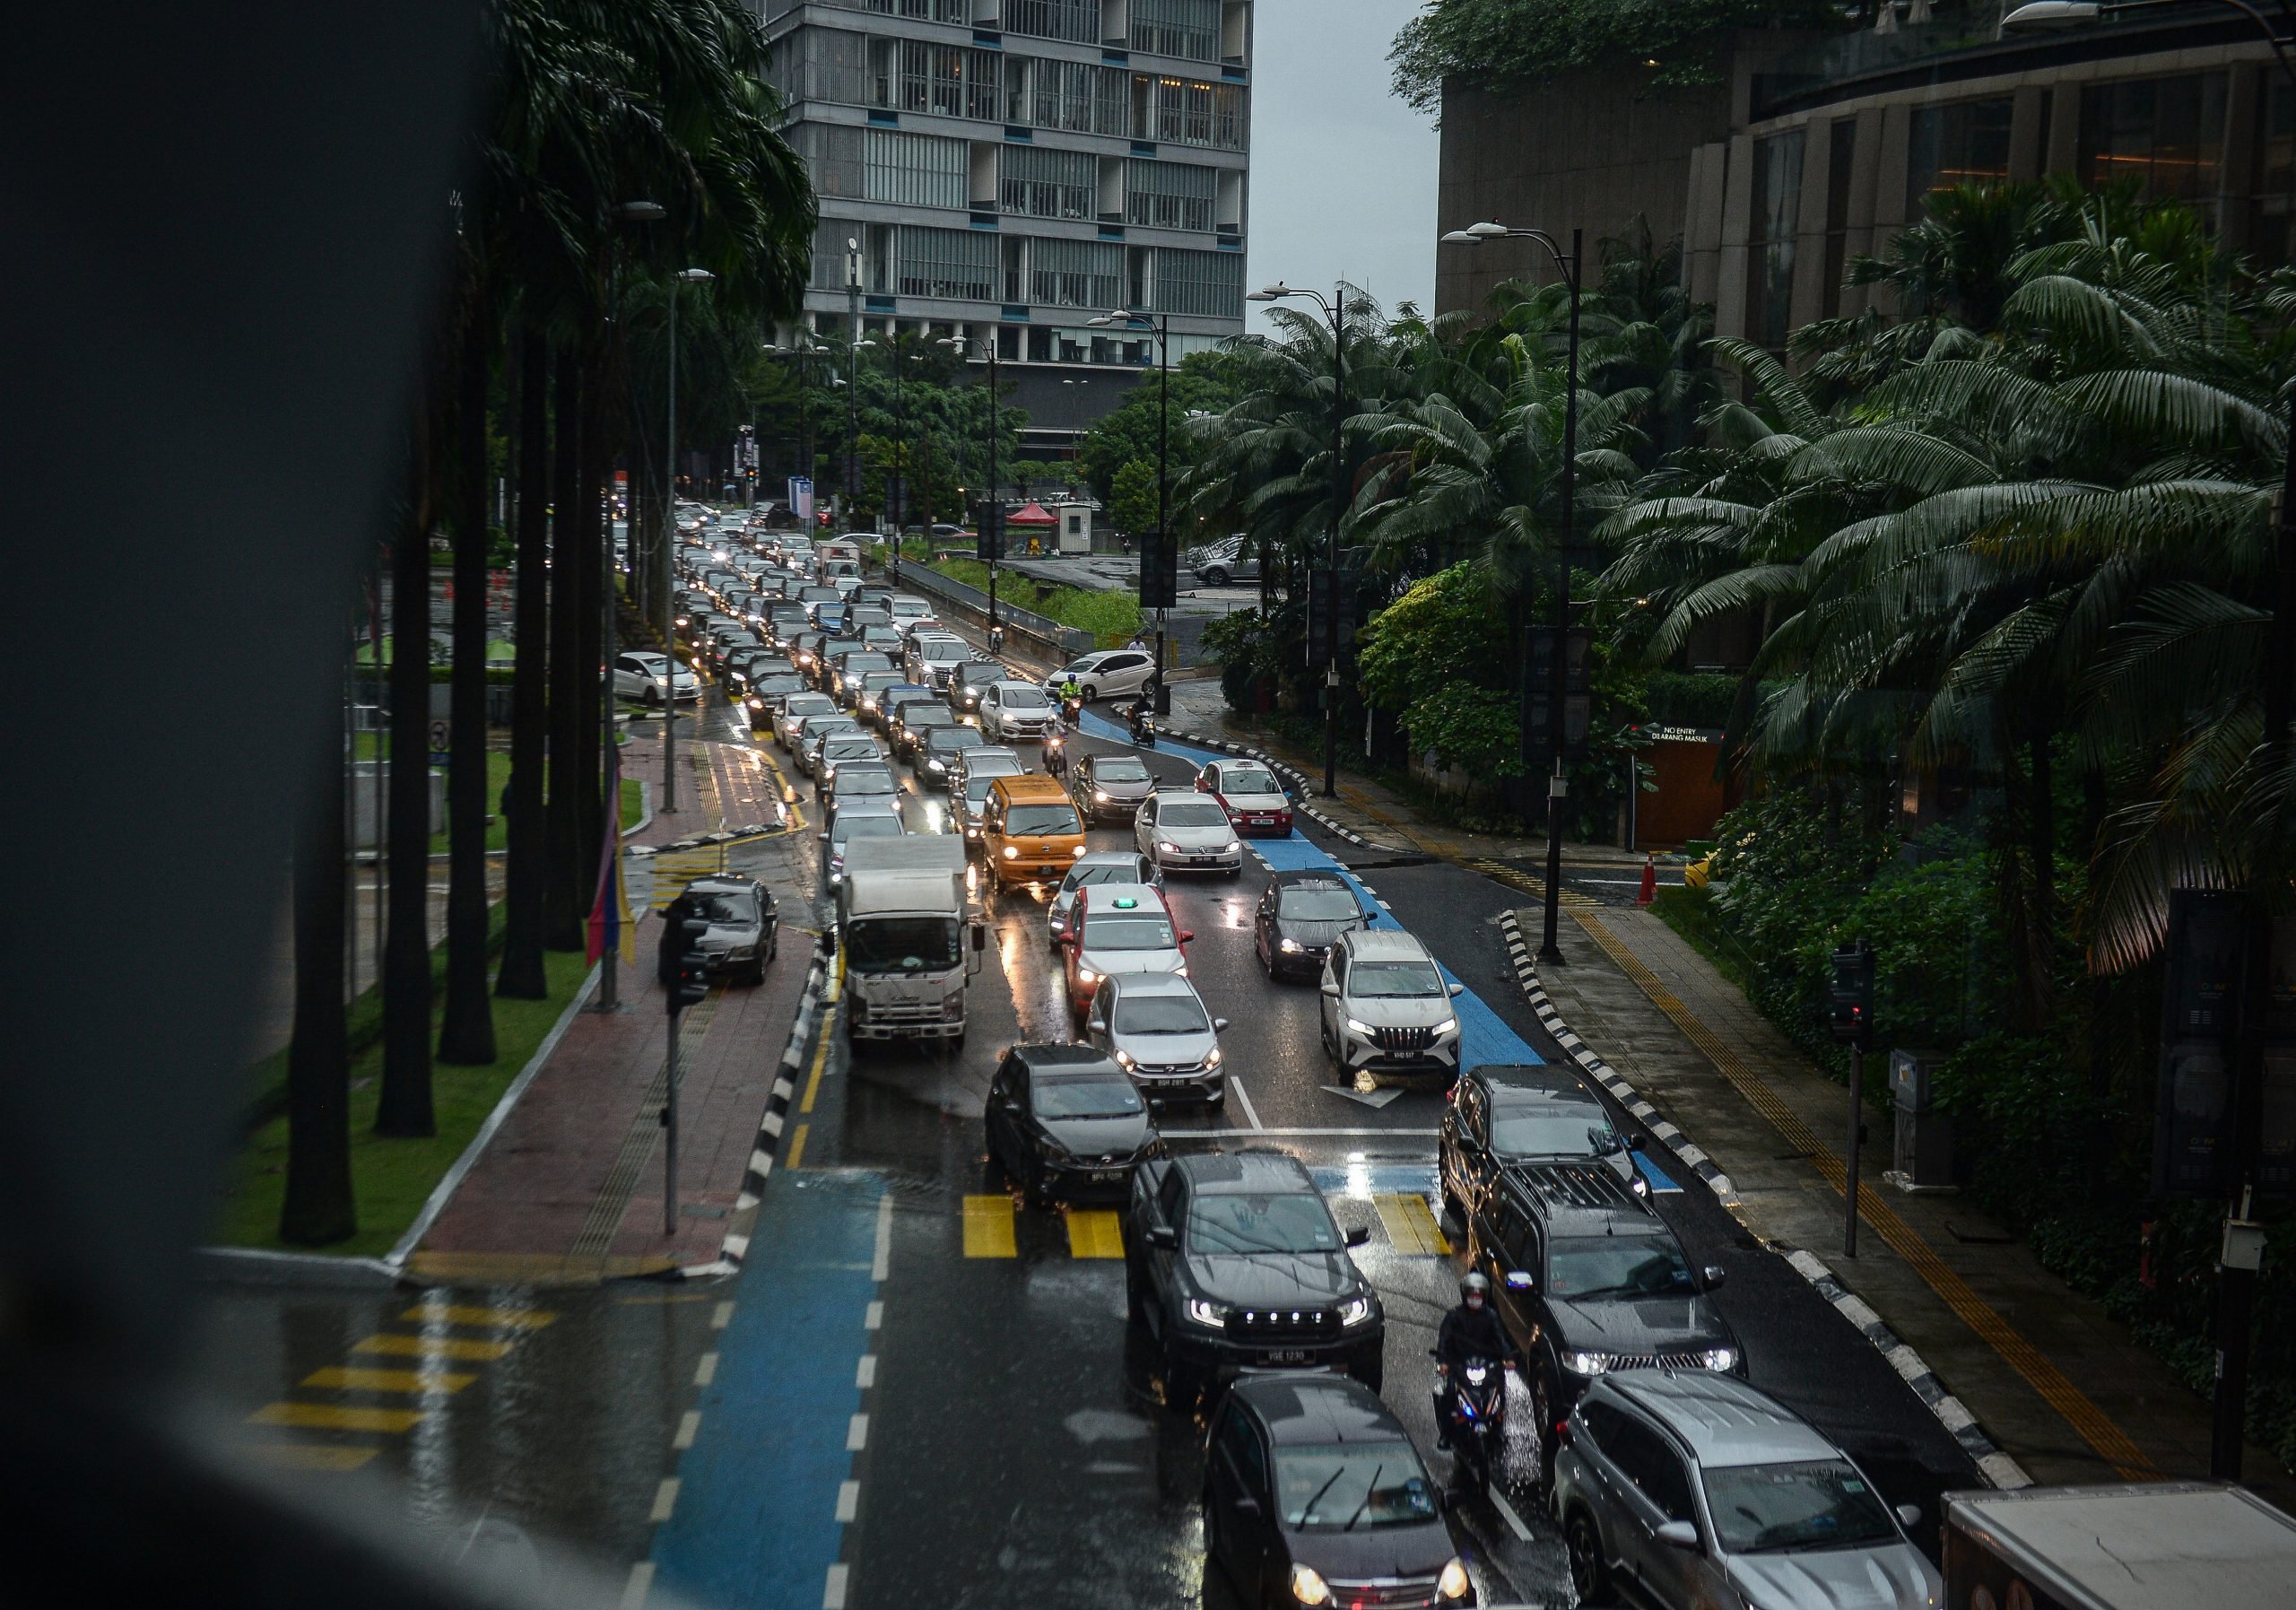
(1501, 1114)
(1111, 674)
(1156, 1027)
(742, 939)
(1233, 1262)
(1097, 866)
(1256, 803)
(1186, 832)
(639, 675)
(1385, 1009)
(1109, 787)
(1119, 928)
(1298, 916)
(1011, 710)
(1314, 1494)
(1701, 1491)
(1227, 564)
(1065, 1123)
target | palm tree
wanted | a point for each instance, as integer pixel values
(521, 974)
(318, 1209)
(402, 1106)
(466, 1028)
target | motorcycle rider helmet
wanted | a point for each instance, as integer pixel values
(1475, 1286)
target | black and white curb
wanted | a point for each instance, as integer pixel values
(1997, 1467)
(769, 1132)
(1282, 768)
(1527, 974)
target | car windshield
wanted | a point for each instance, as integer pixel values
(956, 738)
(810, 704)
(866, 827)
(1248, 779)
(736, 908)
(1161, 1014)
(1022, 698)
(1096, 1097)
(1047, 818)
(901, 943)
(1191, 813)
(849, 749)
(1319, 902)
(1380, 980)
(1119, 768)
(1349, 1486)
(925, 713)
(1103, 872)
(1240, 1221)
(1552, 1134)
(1813, 1504)
(1126, 931)
(1614, 1266)
(865, 779)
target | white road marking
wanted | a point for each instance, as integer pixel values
(857, 1433)
(848, 1502)
(833, 1590)
(865, 1375)
(1251, 1115)
(881, 1264)
(705, 1371)
(666, 1499)
(721, 1316)
(1507, 1512)
(875, 1317)
(641, 1583)
(689, 1427)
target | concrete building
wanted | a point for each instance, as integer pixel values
(1011, 168)
(1814, 151)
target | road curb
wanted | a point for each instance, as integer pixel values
(1997, 1467)
(768, 1145)
(258, 1265)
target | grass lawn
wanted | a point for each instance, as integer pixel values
(1691, 913)
(392, 1179)
(1107, 615)
(498, 775)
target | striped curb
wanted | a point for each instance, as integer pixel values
(1997, 1467)
(769, 1132)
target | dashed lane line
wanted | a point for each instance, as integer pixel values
(1094, 1233)
(988, 1227)
(1411, 1225)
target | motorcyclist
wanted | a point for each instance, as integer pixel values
(1472, 1330)
(1071, 694)
(1055, 756)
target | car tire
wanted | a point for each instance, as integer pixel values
(1089, 692)
(1590, 1577)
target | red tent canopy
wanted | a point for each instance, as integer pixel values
(1031, 514)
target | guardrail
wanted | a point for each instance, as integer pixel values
(1049, 639)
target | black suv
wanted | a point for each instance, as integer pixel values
(1587, 1279)
(1503, 1113)
(970, 680)
(1234, 1262)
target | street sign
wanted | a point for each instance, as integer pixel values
(442, 736)
(1578, 703)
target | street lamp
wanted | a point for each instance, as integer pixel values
(1161, 324)
(992, 507)
(1335, 310)
(684, 276)
(1559, 661)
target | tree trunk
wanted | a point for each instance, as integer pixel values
(319, 1208)
(593, 548)
(521, 977)
(466, 1028)
(2040, 848)
(564, 905)
(404, 1106)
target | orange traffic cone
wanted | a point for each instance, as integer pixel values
(1649, 890)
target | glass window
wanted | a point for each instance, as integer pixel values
(958, 263)
(726, 907)
(1248, 779)
(1964, 144)
(1171, 196)
(1161, 1014)
(1191, 813)
(1085, 1097)
(1840, 165)
(1242, 1443)
(1206, 282)
(1126, 931)
(1039, 183)
(1643, 1458)
(901, 943)
(1119, 768)
(1777, 211)
(917, 170)
(1352, 1486)
(1519, 1134)
(1077, 273)
(1041, 819)
(1383, 981)
(1819, 1503)
(1616, 1266)
(1075, 21)
(1314, 903)
(1240, 1221)
(2166, 134)
(1183, 28)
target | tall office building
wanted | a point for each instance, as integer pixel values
(1014, 168)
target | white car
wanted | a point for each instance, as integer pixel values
(1108, 674)
(640, 676)
(793, 713)
(1096, 866)
(931, 656)
(1385, 1007)
(1188, 833)
(909, 613)
(1016, 709)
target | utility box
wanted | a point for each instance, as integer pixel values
(1923, 1155)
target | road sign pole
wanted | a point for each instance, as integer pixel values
(670, 1133)
(1856, 1123)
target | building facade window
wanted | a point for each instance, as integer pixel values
(2165, 133)
(836, 155)
(1076, 20)
(1841, 164)
(2272, 230)
(1076, 274)
(1037, 183)
(948, 81)
(917, 170)
(1074, 96)
(824, 64)
(959, 265)
(914, 11)
(1209, 283)
(1169, 196)
(1189, 28)
(1777, 214)
(1964, 144)
(830, 236)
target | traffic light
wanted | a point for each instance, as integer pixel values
(1578, 703)
(1326, 588)
(693, 967)
(1850, 996)
(989, 523)
(1160, 571)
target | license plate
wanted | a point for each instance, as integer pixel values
(1105, 1175)
(1049, 872)
(1290, 1355)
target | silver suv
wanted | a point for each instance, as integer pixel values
(1387, 1007)
(1693, 1488)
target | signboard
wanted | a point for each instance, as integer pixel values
(442, 736)
(801, 496)
(2193, 1140)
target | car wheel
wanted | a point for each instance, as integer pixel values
(1589, 1577)
(653, 698)
(1089, 692)
(1215, 578)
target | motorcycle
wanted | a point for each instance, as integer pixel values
(1055, 756)
(1072, 710)
(1478, 1422)
(1143, 727)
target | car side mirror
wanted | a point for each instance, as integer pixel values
(1096, 1026)
(823, 837)
(1909, 1515)
(1219, 1025)
(1186, 937)
(1247, 1507)
(1458, 990)
(1331, 989)
(1715, 1274)
(979, 936)
(1520, 1280)
(1358, 1235)
(1679, 1534)
(1164, 1236)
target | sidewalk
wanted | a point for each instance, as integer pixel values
(2063, 1389)
(571, 1188)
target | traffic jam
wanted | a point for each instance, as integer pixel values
(1281, 1253)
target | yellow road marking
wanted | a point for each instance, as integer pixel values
(988, 1227)
(1093, 1233)
(2055, 1388)
(1409, 1225)
(797, 1146)
(336, 1417)
(311, 1456)
(356, 1380)
(507, 1318)
(821, 1055)
(436, 1347)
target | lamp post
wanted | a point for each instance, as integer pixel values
(902, 357)
(993, 508)
(1335, 310)
(1559, 663)
(1161, 324)
(807, 353)
(688, 277)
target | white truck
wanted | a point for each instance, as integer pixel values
(2159, 1546)
(907, 938)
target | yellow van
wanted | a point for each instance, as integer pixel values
(1030, 830)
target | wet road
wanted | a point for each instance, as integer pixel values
(915, 1393)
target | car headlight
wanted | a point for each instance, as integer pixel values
(1722, 1358)
(1452, 1583)
(1231, 848)
(936, 765)
(1099, 797)
(1124, 1058)
(1357, 1026)
(1291, 947)
(1075, 849)
(1586, 1364)
(1358, 1312)
(756, 704)
(972, 833)
(1085, 975)
(1012, 852)
(1169, 849)
(1307, 1586)
(1213, 1059)
(1200, 1312)
(1447, 1025)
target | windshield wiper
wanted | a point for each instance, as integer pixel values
(1309, 1513)
(1369, 1488)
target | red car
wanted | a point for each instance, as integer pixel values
(1256, 803)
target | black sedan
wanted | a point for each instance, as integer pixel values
(1065, 1123)
(743, 935)
(1298, 916)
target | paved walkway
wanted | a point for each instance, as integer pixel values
(2063, 1389)
(571, 1189)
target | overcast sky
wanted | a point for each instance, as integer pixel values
(1343, 172)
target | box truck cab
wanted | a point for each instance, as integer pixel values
(906, 937)
(1030, 830)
